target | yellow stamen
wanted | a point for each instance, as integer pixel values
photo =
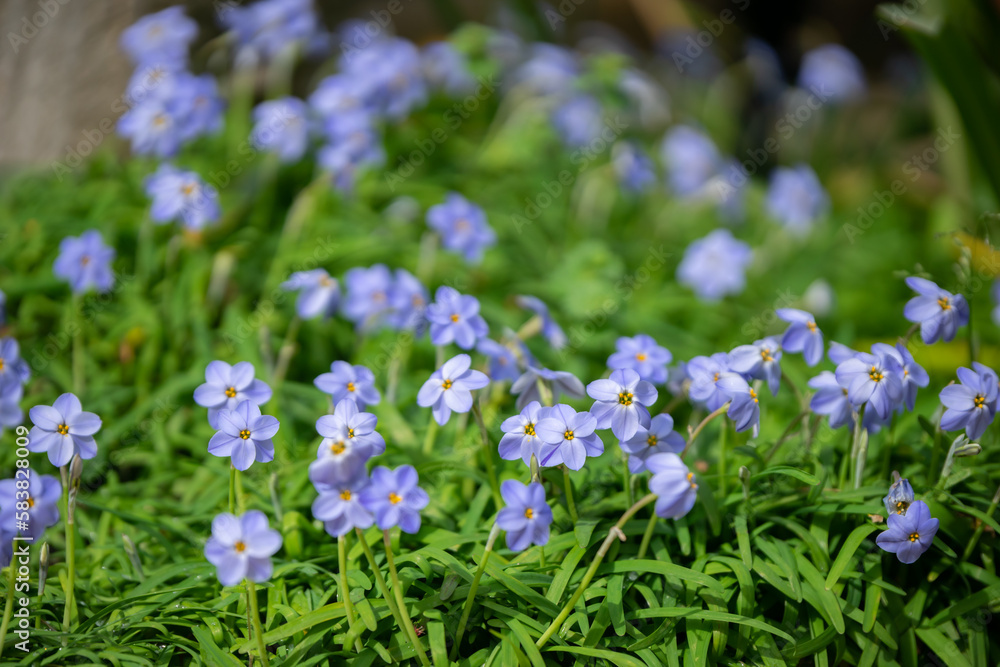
(944, 303)
(350, 386)
(446, 384)
(31, 502)
(231, 392)
(979, 401)
(394, 499)
(454, 317)
(529, 429)
(1, 363)
(765, 354)
(187, 189)
(691, 480)
(62, 429)
(914, 537)
(568, 434)
(624, 398)
(338, 448)
(350, 433)
(875, 374)
(245, 434)
(240, 547)
(651, 440)
(753, 395)
(529, 513)
(345, 495)
(640, 357)
(811, 326)
(85, 260)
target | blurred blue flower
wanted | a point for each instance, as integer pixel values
(973, 403)
(550, 70)
(994, 293)
(346, 381)
(802, 335)
(875, 379)
(63, 430)
(744, 409)
(557, 382)
(796, 198)
(391, 69)
(578, 120)
(455, 318)
(691, 160)
(407, 303)
(340, 94)
(831, 72)
(673, 484)
(352, 145)
(339, 507)
(394, 498)
(550, 329)
(503, 363)
(446, 68)
(715, 265)
(462, 226)
(319, 294)
(152, 127)
(161, 37)
(761, 361)
(241, 547)
(227, 386)
(622, 402)
(939, 312)
(85, 262)
(14, 371)
(705, 373)
(839, 353)
(568, 437)
(38, 497)
(450, 388)
(526, 516)
(244, 435)
(182, 196)
(899, 498)
(635, 170)
(914, 376)
(643, 355)
(520, 439)
(831, 400)
(909, 535)
(281, 127)
(198, 106)
(11, 414)
(366, 298)
(269, 27)
(658, 437)
(678, 378)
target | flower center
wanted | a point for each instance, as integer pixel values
(901, 507)
(85, 260)
(454, 317)
(624, 398)
(914, 537)
(350, 433)
(159, 120)
(31, 502)
(350, 386)
(875, 375)
(753, 395)
(394, 499)
(62, 429)
(651, 440)
(462, 224)
(245, 434)
(240, 547)
(979, 401)
(640, 357)
(325, 281)
(568, 435)
(338, 448)
(716, 378)
(691, 480)
(944, 303)
(231, 392)
(345, 494)
(187, 189)
(446, 384)
(765, 355)
(811, 326)
(529, 429)
(1, 363)
(529, 513)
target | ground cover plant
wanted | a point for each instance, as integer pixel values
(497, 352)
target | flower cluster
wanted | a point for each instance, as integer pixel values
(14, 373)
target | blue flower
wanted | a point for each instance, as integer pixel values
(162, 37)
(909, 535)
(744, 408)
(14, 370)
(445, 68)
(578, 120)
(455, 318)
(550, 70)
(643, 355)
(394, 498)
(349, 441)
(244, 435)
(994, 294)
(269, 27)
(153, 127)
(503, 363)
(526, 516)
(705, 373)
(346, 381)
(182, 196)
(635, 169)
(899, 498)
(520, 436)
(557, 382)
(914, 375)
(85, 262)
(715, 265)
(832, 72)
(352, 144)
(366, 302)
(391, 70)
(282, 127)
(63, 430)
(241, 547)
(831, 400)
(673, 484)
(796, 198)
(622, 402)
(875, 379)
(339, 507)
(11, 414)
(462, 226)
(802, 336)
(691, 160)
(450, 388)
(339, 94)
(938, 311)
(199, 106)
(35, 495)
(839, 353)
(227, 386)
(658, 437)
(973, 403)
(407, 303)
(550, 329)
(319, 294)
(568, 437)
(761, 361)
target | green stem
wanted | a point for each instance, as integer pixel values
(255, 619)
(627, 478)
(345, 592)
(467, 609)
(397, 588)
(77, 361)
(647, 536)
(859, 452)
(491, 472)
(614, 533)
(8, 607)
(383, 589)
(570, 503)
(693, 433)
(70, 566)
(241, 499)
(432, 429)
(722, 461)
(286, 352)
(975, 536)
